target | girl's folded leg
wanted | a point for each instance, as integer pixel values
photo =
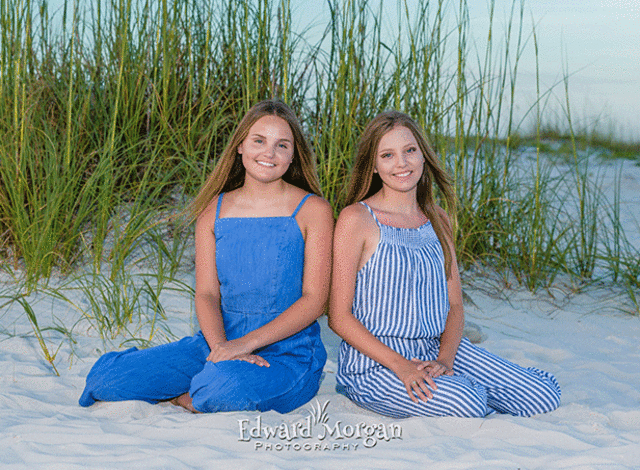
(511, 388)
(382, 392)
(152, 375)
(239, 385)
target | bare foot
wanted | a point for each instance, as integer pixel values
(184, 401)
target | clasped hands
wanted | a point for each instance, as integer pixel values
(417, 377)
(235, 350)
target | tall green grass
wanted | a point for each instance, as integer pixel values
(111, 118)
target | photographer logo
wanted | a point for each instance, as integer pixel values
(315, 433)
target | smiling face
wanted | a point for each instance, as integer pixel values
(267, 150)
(399, 160)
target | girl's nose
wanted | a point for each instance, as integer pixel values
(270, 151)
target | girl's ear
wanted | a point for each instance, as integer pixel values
(239, 149)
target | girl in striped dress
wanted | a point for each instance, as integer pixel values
(396, 298)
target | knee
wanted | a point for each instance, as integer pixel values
(471, 398)
(543, 397)
(104, 381)
(479, 408)
(550, 395)
(472, 404)
(462, 397)
(215, 389)
(554, 392)
(295, 397)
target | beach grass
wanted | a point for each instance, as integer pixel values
(110, 122)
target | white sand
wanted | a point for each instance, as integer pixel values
(586, 340)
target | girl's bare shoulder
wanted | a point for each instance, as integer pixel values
(207, 217)
(315, 208)
(356, 219)
(315, 217)
(316, 203)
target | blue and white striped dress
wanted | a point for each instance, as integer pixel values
(401, 297)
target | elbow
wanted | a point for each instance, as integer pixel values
(206, 298)
(331, 322)
(456, 309)
(315, 303)
(339, 316)
(334, 324)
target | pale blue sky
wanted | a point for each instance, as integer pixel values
(597, 41)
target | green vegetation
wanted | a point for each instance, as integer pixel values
(561, 144)
(109, 123)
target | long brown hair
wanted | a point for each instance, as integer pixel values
(229, 172)
(365, 183)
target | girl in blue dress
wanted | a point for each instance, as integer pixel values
(263, 249)
(396, 298)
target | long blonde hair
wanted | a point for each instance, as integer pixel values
(229, 172)
(365, 183)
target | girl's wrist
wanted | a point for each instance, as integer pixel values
(248, 342)
(397, 363)
(445, 362)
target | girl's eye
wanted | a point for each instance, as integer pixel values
(258, 141)
(411, 149)
(284, 146)
(385, 155)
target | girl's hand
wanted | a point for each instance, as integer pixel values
(253, 359)
(234, 350)
(433, 368)
(418, 382)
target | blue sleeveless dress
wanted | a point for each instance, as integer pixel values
(260, 264)
(401, 297)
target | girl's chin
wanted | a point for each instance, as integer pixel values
(400, 186)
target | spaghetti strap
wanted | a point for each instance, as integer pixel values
(371, 212)
(300, 205)
(219, 204)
